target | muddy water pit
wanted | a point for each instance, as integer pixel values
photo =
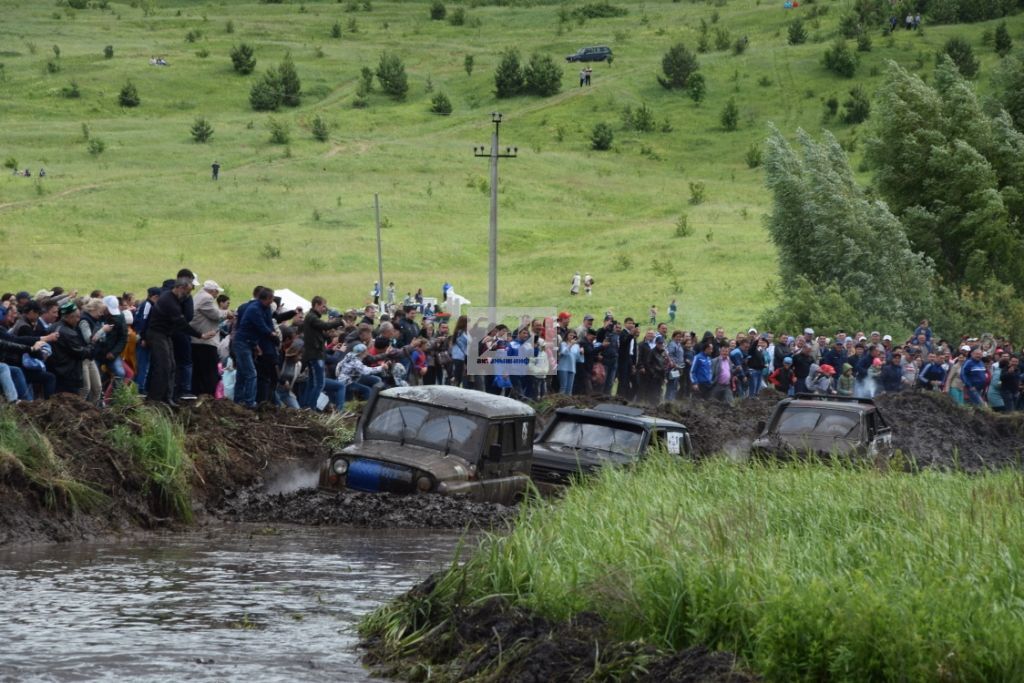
(244, 602)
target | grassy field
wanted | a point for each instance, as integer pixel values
(301, 215)
(808, 572)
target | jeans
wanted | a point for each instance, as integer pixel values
(115, 368)
(7, 383)
(1009, 400)
(161, 368)
(363, 386)
(141, 367)
(245, 378)
(315, 384)
(286, 398)
(565, 380)
(672, 390)
(337, 392)
(754, 382)
(973, 396)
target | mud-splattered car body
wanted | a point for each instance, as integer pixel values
(437, 439)
(825, 426)
(579, 441)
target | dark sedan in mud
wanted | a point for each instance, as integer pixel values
(437, 439)
(825, 426)
(581, 440)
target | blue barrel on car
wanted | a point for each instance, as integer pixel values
(375, 476)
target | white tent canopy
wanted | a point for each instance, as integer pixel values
(290, 300)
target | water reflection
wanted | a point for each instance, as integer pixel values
(225, 605)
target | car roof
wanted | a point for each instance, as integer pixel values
(624, 414)
(467, 400)
(849, 406)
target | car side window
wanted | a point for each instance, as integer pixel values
(508, 437)
(524, 435)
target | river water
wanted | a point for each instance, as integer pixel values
(232, 604)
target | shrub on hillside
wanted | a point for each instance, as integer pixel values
(467, 64)
(391, 74)
(71, 91)
(1003, 41)
(440, 104)
(754, 156)
(108, 52)
(509, 79)
(840, 59)
(321, 131)
(242, 59)
(11, 163)
(599, 10)
(730, 117)
(698, 88)
(858, 107)
(96, 146)
(129, 95)
(280, 132)
(336, 30)
(291, 86)
(201, 130)
(601, 137)
(457, 17)
(797, 32)
(265, 94)
(678, 64)
(542, 76)
(640, 119)
(437, 10)
(962, 54)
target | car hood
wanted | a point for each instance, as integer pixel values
(557, 457)
(813, 443)
(443, 467)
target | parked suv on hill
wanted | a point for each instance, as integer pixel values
(811, 424)
(582, 440)
(597, 53)
(437, 439)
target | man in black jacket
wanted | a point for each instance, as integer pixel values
(313, 349)
(69, 350)
(166, 319)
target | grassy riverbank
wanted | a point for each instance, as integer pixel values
(806, 572)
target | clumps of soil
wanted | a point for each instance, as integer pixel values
(493, 640)
(369, 510)
(935, 432)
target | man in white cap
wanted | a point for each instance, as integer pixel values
(207, 318)
(110, 348)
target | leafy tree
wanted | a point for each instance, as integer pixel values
(840, 59)
(365, 81)
(1003, 41)
(679, 64)
(543, 77)
(1010, 85)
(509, 79)
(601, 137)
(962, 54)
(336, 30)
(437, 10)
(797, 32)
(201, 130)
(391, 74)
(291, 86)
(952, 174)
(730, 117)
(440, 104)
(836, 246)
(108, 52)
(858, 107)
(129, 95)
(457, 17)
(242, 59)
(280, 131)
(321, 131)
(467, 64)
(266, 93)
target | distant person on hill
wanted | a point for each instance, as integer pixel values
(583, 77)
(42, 172)
(587, 74)
(588, 284)
(215, 166)
(574, 284)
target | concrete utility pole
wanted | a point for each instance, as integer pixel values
(494, 155)
(380, 260)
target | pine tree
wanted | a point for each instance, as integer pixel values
(291, 87)
(201, 130)
(509, 80)
(242, 59)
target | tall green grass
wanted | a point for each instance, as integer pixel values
(157, 442)
(807, 572)
(26, 451)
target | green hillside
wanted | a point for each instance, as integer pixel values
(301, 215)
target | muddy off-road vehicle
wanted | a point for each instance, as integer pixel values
(437, 439)
(578, 441)
(825, 426)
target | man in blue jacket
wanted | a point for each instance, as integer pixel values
(892, 373)
(255, 326)
(974, 375)
(700, 373)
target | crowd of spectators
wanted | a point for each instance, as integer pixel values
(184, 338)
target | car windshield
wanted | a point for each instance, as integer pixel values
(621, 439)
(430, 426)
(831, 423)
